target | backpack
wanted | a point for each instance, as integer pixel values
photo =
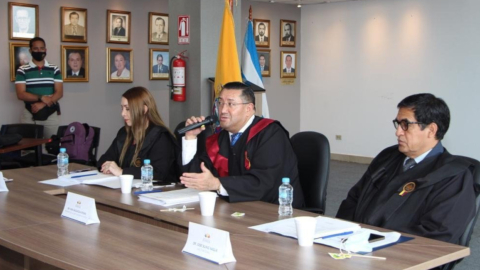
(78, 139)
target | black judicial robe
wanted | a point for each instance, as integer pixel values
(439, 207)
(256, 168)
(159, 146)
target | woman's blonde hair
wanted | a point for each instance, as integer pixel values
(139, 97)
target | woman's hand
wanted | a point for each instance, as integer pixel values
(110, 167)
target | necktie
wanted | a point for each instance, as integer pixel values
(235, 138)
(409, 164)
(74, 30)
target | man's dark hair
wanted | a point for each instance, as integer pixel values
(247, 92)
(160, 19)
(37, 39)
(261, 24)
(289, 27)
(428, 109)
(261, 55)
(288, 55)
(73, 13)
(160, 56)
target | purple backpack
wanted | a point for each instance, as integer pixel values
(78, 139)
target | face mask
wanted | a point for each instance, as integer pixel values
(39, 56)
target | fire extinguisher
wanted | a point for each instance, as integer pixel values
(177, 77)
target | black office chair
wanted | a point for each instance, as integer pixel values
(465, 239)
(201, 139)
(313, 154)
(14, 159)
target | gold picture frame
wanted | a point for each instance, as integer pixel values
(260, 26)
(158, 28)
(19, 55)
(288, 31)
(118, 26)
(159, 64)
(75, 64)
(264, 54)
(74, 24)
(22, 21)
(122, 70)
(288, 68)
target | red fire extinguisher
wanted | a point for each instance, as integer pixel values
(177, 77)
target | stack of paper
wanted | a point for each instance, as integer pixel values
(87, 178)
(325, 227)
(186, 195)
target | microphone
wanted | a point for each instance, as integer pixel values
(208, 121)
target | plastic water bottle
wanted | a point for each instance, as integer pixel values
(147, 175)
(285, 198)
(62, 162)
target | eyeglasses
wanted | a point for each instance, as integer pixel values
(230, 105)
(404, 124)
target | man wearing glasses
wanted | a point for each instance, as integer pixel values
(416, 186)
(247, 160)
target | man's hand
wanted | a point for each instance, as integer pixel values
(110, 167)
(192, 134)
(37, 106)
(48, 100)
(201, 181)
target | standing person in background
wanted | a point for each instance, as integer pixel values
(144, 136)
(39, 84)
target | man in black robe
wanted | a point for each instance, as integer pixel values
(247, 160)
(416, 187)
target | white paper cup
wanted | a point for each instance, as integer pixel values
(305, 230)
(207, 203)
(126, 181)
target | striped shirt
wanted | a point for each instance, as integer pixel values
(39, 81)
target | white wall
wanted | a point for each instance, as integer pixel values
(361, 58)
(96, 102)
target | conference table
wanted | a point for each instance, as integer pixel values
(25, 143)
(137, 235)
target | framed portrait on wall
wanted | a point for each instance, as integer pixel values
(19, 56)
(288, 65)
(265, 61)
(119, 65)
(158, 28)
(288, 30)
(75, 66)
(159, 64)
(74, 24)
(118, 26)
(261, 31)
(22, 21)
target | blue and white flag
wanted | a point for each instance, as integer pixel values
(251, 66)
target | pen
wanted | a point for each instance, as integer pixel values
(335, 235)
(146, 192)
(172, 185)
(78, 176)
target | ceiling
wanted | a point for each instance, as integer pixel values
(303, 2)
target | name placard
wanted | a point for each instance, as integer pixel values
(81, 209)
(3, 186)
(209, 243)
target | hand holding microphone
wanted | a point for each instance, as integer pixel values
(195, 125)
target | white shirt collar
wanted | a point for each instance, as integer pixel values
(419, 158)
(249, 122)
(33, 64)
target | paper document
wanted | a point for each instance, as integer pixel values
(182, 196)
(86, 178)
(325, 226)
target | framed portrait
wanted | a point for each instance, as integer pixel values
(75, 63)
(118, 26)
(119, 65)
(158, 28)
(261, 31)
(159, 64)
(289, 64)
(265, 61)
(74, 24)
(22, 21)
(19, 56)
(288, 30)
